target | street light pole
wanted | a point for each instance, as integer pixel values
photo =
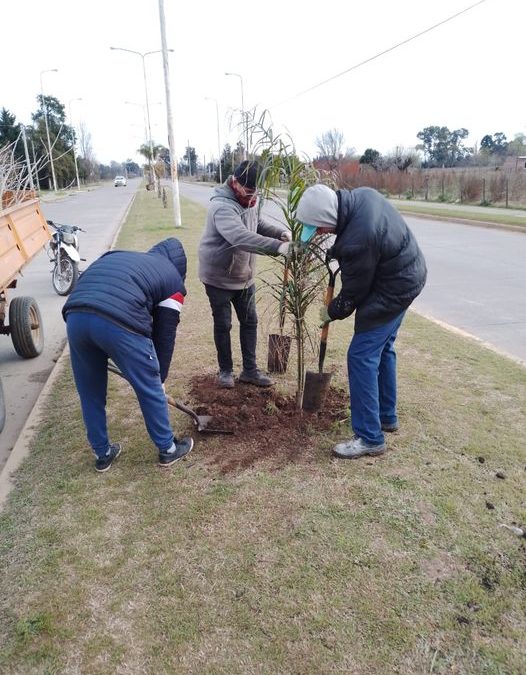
(141, 105)
(44, 106)
(74, 144)
(244, 122)
(207, 98)
(169, 118)
(143, 56)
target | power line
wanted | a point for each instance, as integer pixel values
(376, 56)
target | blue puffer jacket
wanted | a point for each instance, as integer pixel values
(127, 288)
(382, 268)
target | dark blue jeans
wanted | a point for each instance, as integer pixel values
(244, 302)
(92, 339)
(371, 363)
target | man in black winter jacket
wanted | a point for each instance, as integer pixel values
(382, 272)
(126, 307)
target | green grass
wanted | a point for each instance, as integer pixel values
(462, 213)
(392, 565)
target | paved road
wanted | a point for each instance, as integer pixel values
(477, 277)
(99, 212)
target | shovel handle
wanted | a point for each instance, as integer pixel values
(329, 294)
(169, 399)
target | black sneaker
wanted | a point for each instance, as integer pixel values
(103, 463)
(182, 448)
(255, 377)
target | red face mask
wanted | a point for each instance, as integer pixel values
(246, 197)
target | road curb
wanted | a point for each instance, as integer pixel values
(470, 336)
(21, 449)
(463, 221)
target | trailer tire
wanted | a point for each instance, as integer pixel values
(2, 407)
(25, 323)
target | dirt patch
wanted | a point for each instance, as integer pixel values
(441, 567)
(264, 422)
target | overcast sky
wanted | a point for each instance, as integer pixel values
(467, 73)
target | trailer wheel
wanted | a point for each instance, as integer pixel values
(2, 407)
(25, 324)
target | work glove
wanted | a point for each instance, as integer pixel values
(289, 248)
(324, 316)
(286, 235)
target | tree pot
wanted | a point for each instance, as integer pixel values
(278, 353)
(316, 388)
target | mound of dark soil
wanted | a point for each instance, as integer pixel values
(264, 423)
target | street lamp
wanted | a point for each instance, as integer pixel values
(44, 105)
(143, 55)
(141, 105)
(207, 98)
(243, 120)
(75, 143)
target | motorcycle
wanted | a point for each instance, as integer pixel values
(63, 251)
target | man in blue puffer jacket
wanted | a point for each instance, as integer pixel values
(126, 307)
(382, 272)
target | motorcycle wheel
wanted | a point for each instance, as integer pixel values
(65, 275)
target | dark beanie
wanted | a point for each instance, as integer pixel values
(247, 174)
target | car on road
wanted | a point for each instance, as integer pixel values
(120, 180)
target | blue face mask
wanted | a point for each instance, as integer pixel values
(307, 233)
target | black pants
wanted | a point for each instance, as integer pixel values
(244, 302)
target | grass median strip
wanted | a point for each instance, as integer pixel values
(395, 564)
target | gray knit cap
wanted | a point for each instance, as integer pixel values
(318, 206)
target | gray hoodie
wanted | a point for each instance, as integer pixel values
(232, 237)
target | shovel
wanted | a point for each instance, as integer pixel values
(317, 384)
(201, 421)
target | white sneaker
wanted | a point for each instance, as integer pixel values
(357, 447)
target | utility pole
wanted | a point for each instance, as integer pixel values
(35, 164)
(28, 161)
(44, 106)
(171, 143)
(74, 144)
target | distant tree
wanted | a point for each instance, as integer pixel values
(494, 145)
(146, 152)
(402, 159)
(89, 161)
(132, 168)
(189, 161)
(61, 137)
(10, 132)
(370, 156)
(330, 145)
(518, 145)
(227, 162)
(442, 147)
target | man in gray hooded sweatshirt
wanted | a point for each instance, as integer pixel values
(235, 232)
(382, 272)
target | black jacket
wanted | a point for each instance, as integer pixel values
(382, 268)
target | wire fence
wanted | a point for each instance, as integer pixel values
(465, 186)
